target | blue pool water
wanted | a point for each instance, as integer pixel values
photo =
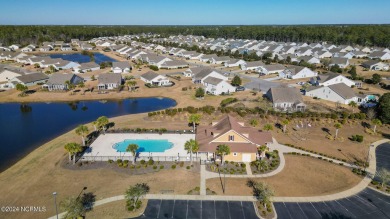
(145, 145)
(80, 58)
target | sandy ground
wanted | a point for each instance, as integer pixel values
(305, 176)
(33, 179)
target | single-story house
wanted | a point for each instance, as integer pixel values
(207, 58)
(190, 72)
(341, 62)
(380, 55)
(174, 64)
(339, 93)
(243, 141)
(220, 60)
(31, 79)
(286, 99)
(271, 69)
(109, 81)
(59, 81)
(309, 59)
(203, 74)
(375, 65)
(217, 86)
(85, 67)
(155, 79)
(330, 78)
(252, 66)
(234, 63)
(296, 72)
(121, 67)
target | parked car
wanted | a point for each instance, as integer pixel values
(240, 88)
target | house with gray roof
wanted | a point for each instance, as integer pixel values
(375, 65)
(31, 79)
(252, 66)
(59, 81)
(296, 72)
(193, 71)
(203, 74)
(339, 93)
(220, 60)
(85, 67)
(174, 64)
(380, 55)
(217, 86)
(155, 79)
(271, 69)
(121, 67)
(341, 62)
(109, 81)
(287, 99)
(330, 78)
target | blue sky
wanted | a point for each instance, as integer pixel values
(190, 12)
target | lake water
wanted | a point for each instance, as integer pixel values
(78, 57)
(24, 127)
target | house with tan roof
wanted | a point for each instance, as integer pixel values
(242, 140)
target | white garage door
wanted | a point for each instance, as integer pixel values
(246, 157)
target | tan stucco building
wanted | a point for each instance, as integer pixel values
(242, 140)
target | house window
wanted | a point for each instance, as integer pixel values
(231, 137)
(234, 154)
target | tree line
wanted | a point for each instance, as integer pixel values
(365, 35)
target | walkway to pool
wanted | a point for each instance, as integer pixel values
(102, 147)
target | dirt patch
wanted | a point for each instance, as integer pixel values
(302, 176)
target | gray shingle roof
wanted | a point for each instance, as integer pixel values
(338, 61)
(343, 90)
(204, 73)
(28, 78)
(88, 65)
(59, 78)
(149, 75)
(110, 78)
(121, 65)
(285, 95)
(212, 80)
(254, 64)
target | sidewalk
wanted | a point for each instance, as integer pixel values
(204, 174)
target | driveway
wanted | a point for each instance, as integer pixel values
(367, 204)
(188, 209)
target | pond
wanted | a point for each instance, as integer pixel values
(80, 58)
(24, 127)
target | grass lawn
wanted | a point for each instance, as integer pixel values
(115, 209)
(302, 176)
(32, 180)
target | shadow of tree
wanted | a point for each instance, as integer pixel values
(88, 200)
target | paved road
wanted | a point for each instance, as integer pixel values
(199, 209)
(367, 204)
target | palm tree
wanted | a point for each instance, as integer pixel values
(262, 148)
(352, 104)
(133, 149)
(337, 126)
(131, 84)
(268, 127)
(376, 122)
(73, 148)
(82, 130)
(262, 164)
(73, 207)
(285, 123)
(191, 146)
(222, 150)
(101, 123)
(194, 119)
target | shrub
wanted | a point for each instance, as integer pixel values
(181, 164)
(142, 162)
(110, 161)
(173, 166)
(228, 101)
(243, 165)
(188, 167)
(150, 162)
(161, 167)
(154, 167)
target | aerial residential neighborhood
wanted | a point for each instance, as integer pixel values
(207, 109)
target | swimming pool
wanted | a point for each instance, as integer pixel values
(145, 145)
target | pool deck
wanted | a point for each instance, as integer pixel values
(103, 145)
